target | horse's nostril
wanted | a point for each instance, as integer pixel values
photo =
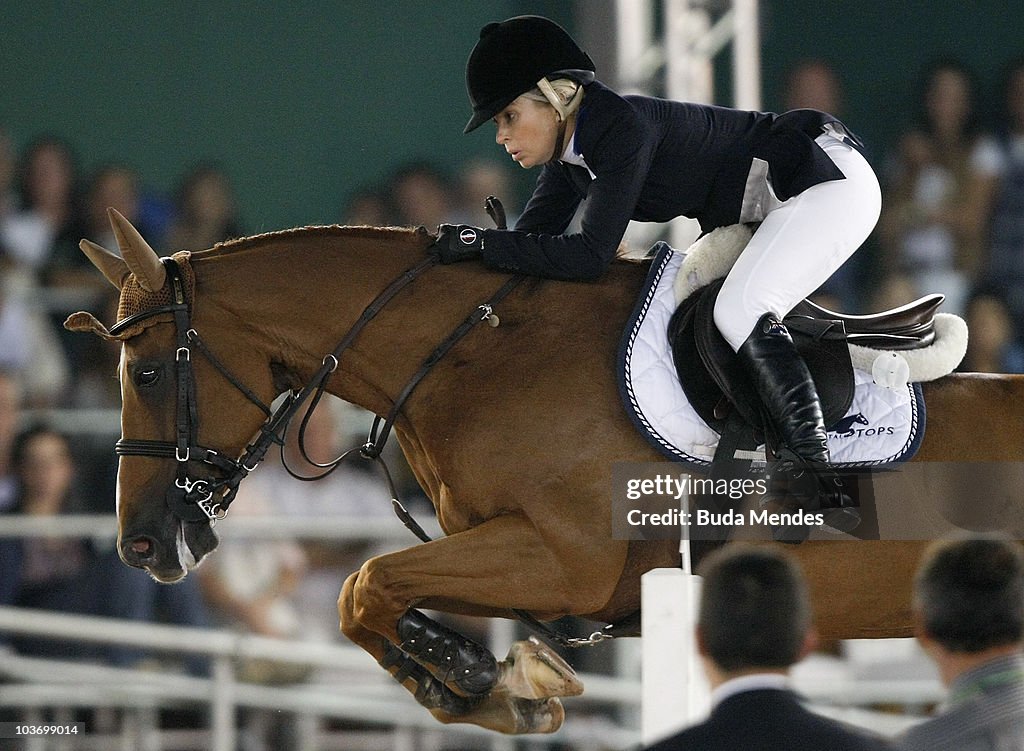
(139, 551)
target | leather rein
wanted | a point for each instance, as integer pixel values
(196, 499)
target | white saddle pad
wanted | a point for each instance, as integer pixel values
(883, 426)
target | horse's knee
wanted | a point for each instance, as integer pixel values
(350, 626)
(371, 600)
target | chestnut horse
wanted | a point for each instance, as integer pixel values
(512, 435)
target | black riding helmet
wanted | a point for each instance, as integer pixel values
(512, 56)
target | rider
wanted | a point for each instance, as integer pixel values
(801, 175)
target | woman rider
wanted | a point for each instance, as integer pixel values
(800, 174)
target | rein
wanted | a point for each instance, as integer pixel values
(194, 499)
(380, 431)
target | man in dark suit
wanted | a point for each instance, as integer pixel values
(754, 624)
(969, 618)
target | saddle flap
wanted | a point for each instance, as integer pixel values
(823, 346)
(700, 389)
(709, 370)
(720, 360)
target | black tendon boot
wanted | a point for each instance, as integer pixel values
(793, 408)
(463, 665)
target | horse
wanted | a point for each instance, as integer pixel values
(512, 434)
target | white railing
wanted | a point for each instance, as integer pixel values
(367, 695)
(241, 526)
(363, 692)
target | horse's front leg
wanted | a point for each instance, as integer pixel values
(428, 690)
(488, 570)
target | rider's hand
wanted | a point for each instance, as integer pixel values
(457, 242)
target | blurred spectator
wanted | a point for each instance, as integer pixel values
(207, 212)
(813, 84)
(991, 345)
(939, 189)
(30, 349)
(130, 594)
(111, 186)
(8, 200)
(29, 343)
(1005, 265)
(969, 618)
(10, 414)
(478, 180)
(248, 586)
(368, 207)
(51, 573)
(75, 284)
(353, 491)
(420, 193)
(49, 211)
(754, 624)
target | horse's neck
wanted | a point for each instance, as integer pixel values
(300, 294)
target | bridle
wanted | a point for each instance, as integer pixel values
(193, 499)
(197, 500)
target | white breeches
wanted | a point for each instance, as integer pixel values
(800, 244)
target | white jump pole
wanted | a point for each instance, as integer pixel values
(674, 691)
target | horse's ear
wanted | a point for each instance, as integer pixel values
(112, 265)
(141, 259)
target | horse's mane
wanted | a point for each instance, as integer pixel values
(407, 234)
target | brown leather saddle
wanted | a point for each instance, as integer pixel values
(721, 391)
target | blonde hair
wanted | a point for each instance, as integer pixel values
(563, 94)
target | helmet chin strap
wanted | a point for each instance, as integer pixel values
(560, 140)
(564, 112)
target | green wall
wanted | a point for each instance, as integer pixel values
(304, 102)
(301, 102)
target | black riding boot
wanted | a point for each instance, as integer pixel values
(787, 392)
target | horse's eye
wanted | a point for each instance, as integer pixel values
(147, 377)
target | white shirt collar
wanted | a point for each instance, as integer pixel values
(748, 683)
(569, 152)
(569, 156)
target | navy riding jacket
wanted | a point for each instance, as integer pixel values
(653, 160)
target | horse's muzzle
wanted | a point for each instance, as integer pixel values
(168, 558)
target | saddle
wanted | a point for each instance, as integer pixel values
(722, 393)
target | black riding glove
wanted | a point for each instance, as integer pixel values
(457, 242)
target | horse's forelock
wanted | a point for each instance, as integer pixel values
(136, 299)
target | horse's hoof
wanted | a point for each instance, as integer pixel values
(507, 714)
(544, 716)
(534, 671)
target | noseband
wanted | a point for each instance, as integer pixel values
(196, 499)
